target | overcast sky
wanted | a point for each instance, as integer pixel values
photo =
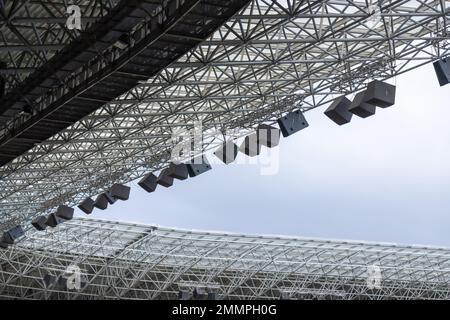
(384, 178)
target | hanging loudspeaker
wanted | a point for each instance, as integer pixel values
(292, 123)
(338, 111)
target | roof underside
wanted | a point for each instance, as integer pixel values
(91, 71)
(132, 261)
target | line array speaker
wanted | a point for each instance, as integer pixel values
(149, 182)
(164, 179)
(198, 166)
(292, 123)
(268, 136)
(101, 202)
(442, 68)
(120, 192)
(178, 171)
(227, 152)
(361, 108)
(338, 111)
(39, 223)
(250, 146)
(380, 93)
(64, 212)
(87, 206)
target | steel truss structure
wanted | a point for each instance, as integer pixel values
(129, 261)
(137, 40)
(31, 32)
(272, 57)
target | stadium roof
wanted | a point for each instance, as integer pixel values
(131, 261)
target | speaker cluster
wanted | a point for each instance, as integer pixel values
(64, 213)
(264, 136)
(378, 94)
(175, 171)
(116, 192)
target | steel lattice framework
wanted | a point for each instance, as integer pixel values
(272, 57)
(131, 261)
(32, 31)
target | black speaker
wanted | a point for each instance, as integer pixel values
(65, 212)
(149, 182)
(164, 179)
(109, 197)
(13, 234)
(87, 206)
(39, 223)
(268, 136)
(442, 68)
(101, 202)
(198, 166)
(292, 123)
(120, 192)
(338, 111)
(250, 145)
(380, 93)
(360, 108)
(227, 152)
(53, 220)
(6, 239)
(178, 171)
